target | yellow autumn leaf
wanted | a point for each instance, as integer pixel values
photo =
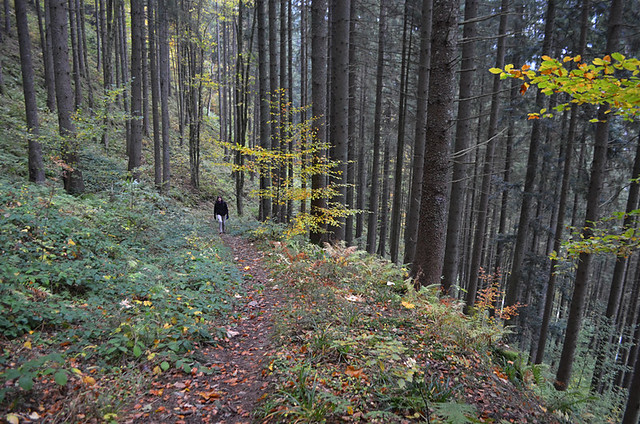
(27, 344)
(13, 419)
(71, 242)
(408, 305)
(88, 380)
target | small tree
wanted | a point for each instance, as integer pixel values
(263, 161)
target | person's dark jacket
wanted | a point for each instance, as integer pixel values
(221, 208)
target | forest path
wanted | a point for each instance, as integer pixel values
(231, 393)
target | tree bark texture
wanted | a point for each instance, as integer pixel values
(415, 191)
(71, 175)
(137, 31)
(432, 227)
(339, 107)
(36, 166)
(319, 33)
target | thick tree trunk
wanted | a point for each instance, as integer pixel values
(71, 175)
(155, 92)
(352, 125)
(339, 107)
(319, 35)
(415, 192)
(137, 30)
(163, 44)
(36, 166)
(432, 226)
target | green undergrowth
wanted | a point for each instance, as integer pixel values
(357, 343)
(100, 290)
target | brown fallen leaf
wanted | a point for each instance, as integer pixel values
(210, 395)
(355, 373)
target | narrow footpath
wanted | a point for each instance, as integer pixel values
(231, 393)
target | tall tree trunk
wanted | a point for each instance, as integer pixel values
(85, 55)
(485, 188)
(432, 226)
(77, 76)
(396, 206)
(163, 43)
(319, 103)
(265, 110)
(71, 175)
(284, 112)
(598, 168)
(374, 196)
(36, 166)
(415, 192)
(463, 135)
(513, 283)
(361, 184)
(617, 281)
(352, 125)
(99, 9)
(304, 100)
(384, 206)
(155, 92)
(47, 58)
(632, 410)
(145, 76)
(135, 149)
(290, 181)
(242, 100)
(274, 83)
(107, 68)
(339, 107)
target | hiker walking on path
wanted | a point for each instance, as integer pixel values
(221, 211)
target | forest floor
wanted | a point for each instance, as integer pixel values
(229, 395)
(245, 388)
(177, 328)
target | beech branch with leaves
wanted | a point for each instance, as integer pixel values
(611, 80)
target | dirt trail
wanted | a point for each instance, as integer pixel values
(230, 395)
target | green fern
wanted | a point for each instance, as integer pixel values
(456, 413)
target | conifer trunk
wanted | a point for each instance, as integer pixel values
(71, 175)
(36, 166)
(415, 193)
(432, 226)
(319, 104)
(598, 168)
(374, 194)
